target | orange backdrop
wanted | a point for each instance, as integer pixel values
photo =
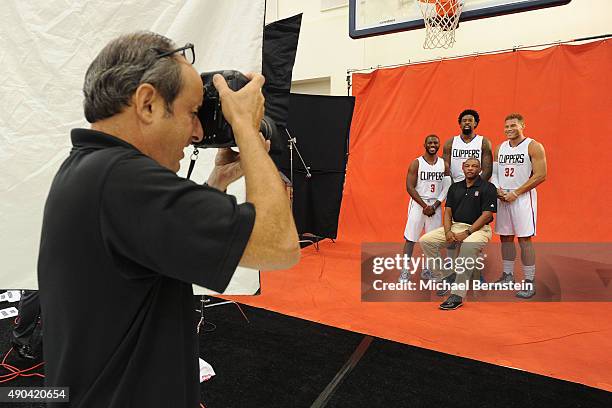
(565, 94)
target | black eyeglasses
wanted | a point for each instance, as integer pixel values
(186, 51)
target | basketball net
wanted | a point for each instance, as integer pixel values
(441, 20)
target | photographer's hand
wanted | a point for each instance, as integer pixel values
(227, 167)
(243, 108)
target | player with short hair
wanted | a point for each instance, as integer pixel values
(519, 166)
(468, 144)
(427, 183)
(469, 210)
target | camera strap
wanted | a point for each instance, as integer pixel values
(193, 158)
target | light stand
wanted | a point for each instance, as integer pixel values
(348, 83)
(293, 145)
(203, 323)
(203, 299)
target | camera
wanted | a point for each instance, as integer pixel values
(217, 131)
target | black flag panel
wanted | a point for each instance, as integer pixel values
(320, 125)
(279, 49)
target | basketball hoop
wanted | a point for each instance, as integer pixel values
(441, 20)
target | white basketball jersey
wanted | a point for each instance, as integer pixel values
(460, 151)
(429, 178)
(514, 165)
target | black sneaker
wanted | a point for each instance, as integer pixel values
(449, 279)
(453, 302)
(527, 293)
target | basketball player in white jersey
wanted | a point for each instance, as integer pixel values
(519, 166)
(463, 146)
(468, 144)
(427, 183)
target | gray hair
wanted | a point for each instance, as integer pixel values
(124, 64)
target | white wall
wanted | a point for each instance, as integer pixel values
(45, 49)
(325, 48)
(314, 86)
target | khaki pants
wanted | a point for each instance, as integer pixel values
(433, 241)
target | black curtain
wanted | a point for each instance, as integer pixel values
(320, 125)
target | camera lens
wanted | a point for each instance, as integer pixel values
(267, 127)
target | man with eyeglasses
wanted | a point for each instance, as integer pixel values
(124, 237)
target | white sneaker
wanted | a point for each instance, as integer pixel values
(404, 276)
(426, 275)
(527, 293)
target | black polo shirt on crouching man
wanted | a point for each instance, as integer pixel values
(468, 203)
(123, 238)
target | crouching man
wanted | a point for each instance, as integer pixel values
(470, 205)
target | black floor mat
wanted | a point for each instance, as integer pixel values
(396, 375)
(280, 361)
(273, 361)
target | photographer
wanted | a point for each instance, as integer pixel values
(124, 237)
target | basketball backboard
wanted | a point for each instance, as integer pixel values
(376, 17)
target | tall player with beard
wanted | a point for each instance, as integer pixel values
(427, 183)
(519, 166)
(468, 144)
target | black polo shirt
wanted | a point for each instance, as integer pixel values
(123, 239)
(468, 203)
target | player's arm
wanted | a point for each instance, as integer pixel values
(487, 159)
(447, 220)
(446, 154)
(538, 165)
(411, 181)
(495, 175)
(446, 183)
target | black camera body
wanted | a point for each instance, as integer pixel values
(217, 131)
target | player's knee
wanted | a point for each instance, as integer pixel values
(427, 238)
(525, 242)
